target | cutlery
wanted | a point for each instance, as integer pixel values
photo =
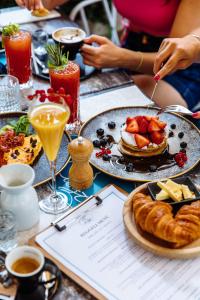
(176, 108)
(48, 284)
(153, 93)
(45, 70)
(35, 63)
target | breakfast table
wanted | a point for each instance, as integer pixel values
(101, 91)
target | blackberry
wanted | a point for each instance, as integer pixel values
(103, 142)
(96, 143)
(171, 134)
(121, 160)
(183, 145)
(181, 135)
(130, 167)
(111, 125)
(152, 168)
(100, 132)
(173, 126)
(106, 157)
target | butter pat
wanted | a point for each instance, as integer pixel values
(174, 191)
(187, 194)
(162, 195)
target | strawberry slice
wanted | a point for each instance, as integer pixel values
(129, 120)
(132, 127)
(153, 126)
(143, 125)
(141, 141)
(139, 119)
(148, 118)
(157, 137)
(161, 124)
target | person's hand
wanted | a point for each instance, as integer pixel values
(196, 115)
(106, 54)
(30, 4)
(174, 54)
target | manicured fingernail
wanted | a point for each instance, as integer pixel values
(194, 115)
(156, 77)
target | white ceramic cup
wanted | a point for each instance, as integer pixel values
(24, 251)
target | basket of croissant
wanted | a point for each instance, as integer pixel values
(157, 227)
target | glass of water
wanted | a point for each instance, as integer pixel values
(9, 93)
(8, 231)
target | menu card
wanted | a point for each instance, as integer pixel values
(96, 247)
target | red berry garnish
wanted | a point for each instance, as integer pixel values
(30, 97)
(42, 98)
(50, 98)
(180, 158)
(39, 92)
(50, 90)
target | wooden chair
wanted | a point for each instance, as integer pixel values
(111, 14)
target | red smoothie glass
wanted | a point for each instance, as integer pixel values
(68, 78)
(18, 56)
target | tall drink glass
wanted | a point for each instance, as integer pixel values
(69, 79)
(18, 57)
(48, 120)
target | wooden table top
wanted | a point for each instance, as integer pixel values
(98, 82)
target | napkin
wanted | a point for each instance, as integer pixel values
(23, 15)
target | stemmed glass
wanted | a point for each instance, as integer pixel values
(49, 120)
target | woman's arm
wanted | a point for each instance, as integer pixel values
(177, 53)
(181, 49)
(107, 54)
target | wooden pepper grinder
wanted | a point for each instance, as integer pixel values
(80, 173)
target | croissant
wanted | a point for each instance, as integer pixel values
(156, 217)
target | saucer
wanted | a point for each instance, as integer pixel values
(39, 292)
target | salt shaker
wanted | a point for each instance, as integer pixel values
(80, 173)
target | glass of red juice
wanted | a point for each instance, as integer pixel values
(18, 57)
(68, 78)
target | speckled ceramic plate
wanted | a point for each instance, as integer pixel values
(165, 165)
(41, 165)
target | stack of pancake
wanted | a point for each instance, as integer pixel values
(143, 136)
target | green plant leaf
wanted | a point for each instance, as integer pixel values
(56, 58)
(10, 29)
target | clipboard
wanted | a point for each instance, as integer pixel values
(63, 268)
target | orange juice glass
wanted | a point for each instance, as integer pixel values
(69, 79)
(49, 121)
(18, 56)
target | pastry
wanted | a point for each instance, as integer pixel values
(40, 12)
(156, 218)
(143, 136)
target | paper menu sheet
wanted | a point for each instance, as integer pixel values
(97, 248)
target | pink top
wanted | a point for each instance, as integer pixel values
(151, 16)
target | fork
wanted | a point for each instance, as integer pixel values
(175, 108)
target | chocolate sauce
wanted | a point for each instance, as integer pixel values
(141, 165)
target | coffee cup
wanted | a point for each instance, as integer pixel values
(25, 263)
(70, 39)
